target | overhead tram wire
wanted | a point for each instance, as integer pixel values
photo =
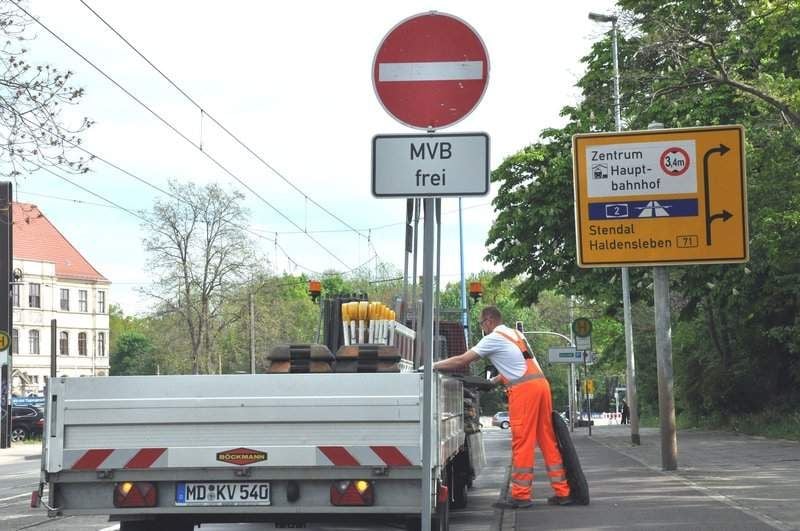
(136, 177)
(222, 127)
(179, 133)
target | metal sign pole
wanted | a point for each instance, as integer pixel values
(427, 358)
(6, 258)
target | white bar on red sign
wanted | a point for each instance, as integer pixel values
(430, 71)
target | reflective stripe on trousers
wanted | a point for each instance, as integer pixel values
(530, 408)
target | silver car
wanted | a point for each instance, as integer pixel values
(501, 419)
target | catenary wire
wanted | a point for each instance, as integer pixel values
(178, 132)
(218, 124)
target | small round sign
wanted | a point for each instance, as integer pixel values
(675, 161)
(430, 71)
(582, 327)
(5, 340)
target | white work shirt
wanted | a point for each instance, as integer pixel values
(502, 353)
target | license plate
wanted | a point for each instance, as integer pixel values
(222, 493)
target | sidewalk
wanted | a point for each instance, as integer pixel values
(724, 481)
(20, 452)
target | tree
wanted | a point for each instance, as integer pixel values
(32, 97)
(133, 355)
(199, 254)
(683, 64)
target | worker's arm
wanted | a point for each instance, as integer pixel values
(497, 380)
(456, 362)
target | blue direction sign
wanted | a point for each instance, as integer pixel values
(661, 208)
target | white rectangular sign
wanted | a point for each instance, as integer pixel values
(564, 355)
(650, 168)
(430, 165)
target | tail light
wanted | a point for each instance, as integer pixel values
(40, 423)
(352, 493)
(135, 494)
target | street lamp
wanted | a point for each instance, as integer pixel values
(626, 285)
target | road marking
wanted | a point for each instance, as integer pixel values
(15, 497)
(112, 528)
(721, 498)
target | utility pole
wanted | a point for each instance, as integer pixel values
(666, 397)
(6, 257)
(630, 371)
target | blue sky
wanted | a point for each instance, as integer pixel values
(293, 80)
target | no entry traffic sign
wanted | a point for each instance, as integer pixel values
(430, 71)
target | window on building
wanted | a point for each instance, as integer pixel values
(101, 343)
(15, 294)
(14, 341)
(65, 299)
(63, 343)
(82, 344)
(34, 295)
(33, 342)
(101, 302)
(83, 300)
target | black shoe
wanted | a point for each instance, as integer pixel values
(513, 504)
(560, 500)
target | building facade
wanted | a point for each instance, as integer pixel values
(53, 281)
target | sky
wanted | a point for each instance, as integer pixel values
(293, 81)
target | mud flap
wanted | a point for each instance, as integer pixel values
(579, 488)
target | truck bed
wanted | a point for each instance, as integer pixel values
(305, 427)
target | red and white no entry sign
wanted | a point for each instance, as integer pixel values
(430, 71)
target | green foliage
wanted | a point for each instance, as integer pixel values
(133, 355)
(736, 345)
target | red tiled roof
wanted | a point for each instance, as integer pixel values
(35, 238)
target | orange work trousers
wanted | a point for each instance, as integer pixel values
(530, 407)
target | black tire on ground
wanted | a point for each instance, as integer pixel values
(504, 425)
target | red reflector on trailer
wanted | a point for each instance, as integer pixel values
(352, 493)
(135, 494)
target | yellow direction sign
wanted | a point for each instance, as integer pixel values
(661, 197)
(5, 341)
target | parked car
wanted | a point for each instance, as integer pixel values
(26, 422)
(501, 419)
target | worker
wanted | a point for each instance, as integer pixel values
(529, 405)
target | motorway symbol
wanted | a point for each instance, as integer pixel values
(675, 161)
(654, 209)
(430, 71)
